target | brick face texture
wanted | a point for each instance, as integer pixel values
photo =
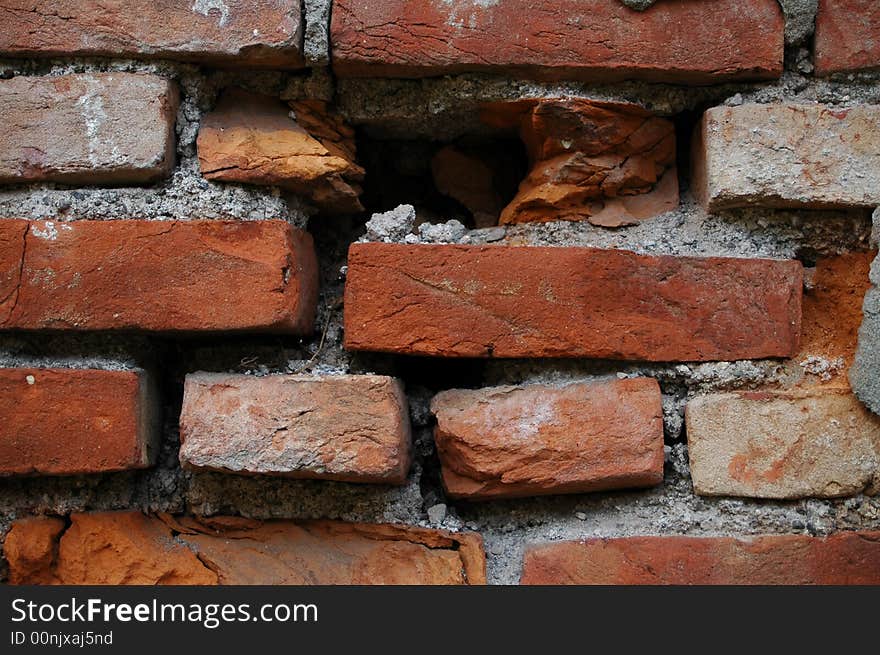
(788, 155)
(469, 301)
(133, 548)
(72, 421)
(252, 32)
(847, 36)
(510, 442)
(164, 276)
(844, 558)
(820, 443)
(99, 128)
(353, 428)
(695, 42)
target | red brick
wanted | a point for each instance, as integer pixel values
(508, 442)
(128, 548)
(504, 301)
(847, 36)
(72, 421)
(93, 128)
(236, 32)
(841, 559)
(353, 428)
(593, 40)
(164, 276)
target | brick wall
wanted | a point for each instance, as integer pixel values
(450, 293)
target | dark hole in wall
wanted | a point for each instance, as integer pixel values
(685, 123)
(469, 180)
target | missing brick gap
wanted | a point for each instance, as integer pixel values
(469, 180)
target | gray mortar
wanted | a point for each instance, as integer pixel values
(316, 47)
(448, 107)
(864, 376)
(442, 108)
(800, 20)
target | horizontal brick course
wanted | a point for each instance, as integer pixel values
(163, 276)
(128, 548)
(843, 558)
(480, 301)
(506, 442)
(777, 444)
(94, 128)
(695, 42)
(788, 155)
(353, 428)
(234, 32)
(847, 36)
(74, 421)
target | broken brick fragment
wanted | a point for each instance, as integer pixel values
(612, 164)
(127, 548)
(256, 139)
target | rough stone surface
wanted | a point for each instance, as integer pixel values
(844, 558)
(316, 44)
(776, 444)
(131, 548)
(392, 225)
(610, 163)
(157, 276)
(67, 421)
(788, 155)
(97, 128)
(596, 40)
(847, 36)
(353, 428)
(253, 139)
(507, 442)
(481, 301)
(800, 20)
(235, 32)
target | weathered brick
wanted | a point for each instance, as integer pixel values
(91, 128)
(72, 421)
(841, 559)
(127, 548)
(353, 428)
(593, 40)
(524, 441)
(610, 163)
(788, 155)
(165, 276)
(832, 314)
(234, 32)
(783, 444)
(847, 36)
(505, 301)
(252, 139)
